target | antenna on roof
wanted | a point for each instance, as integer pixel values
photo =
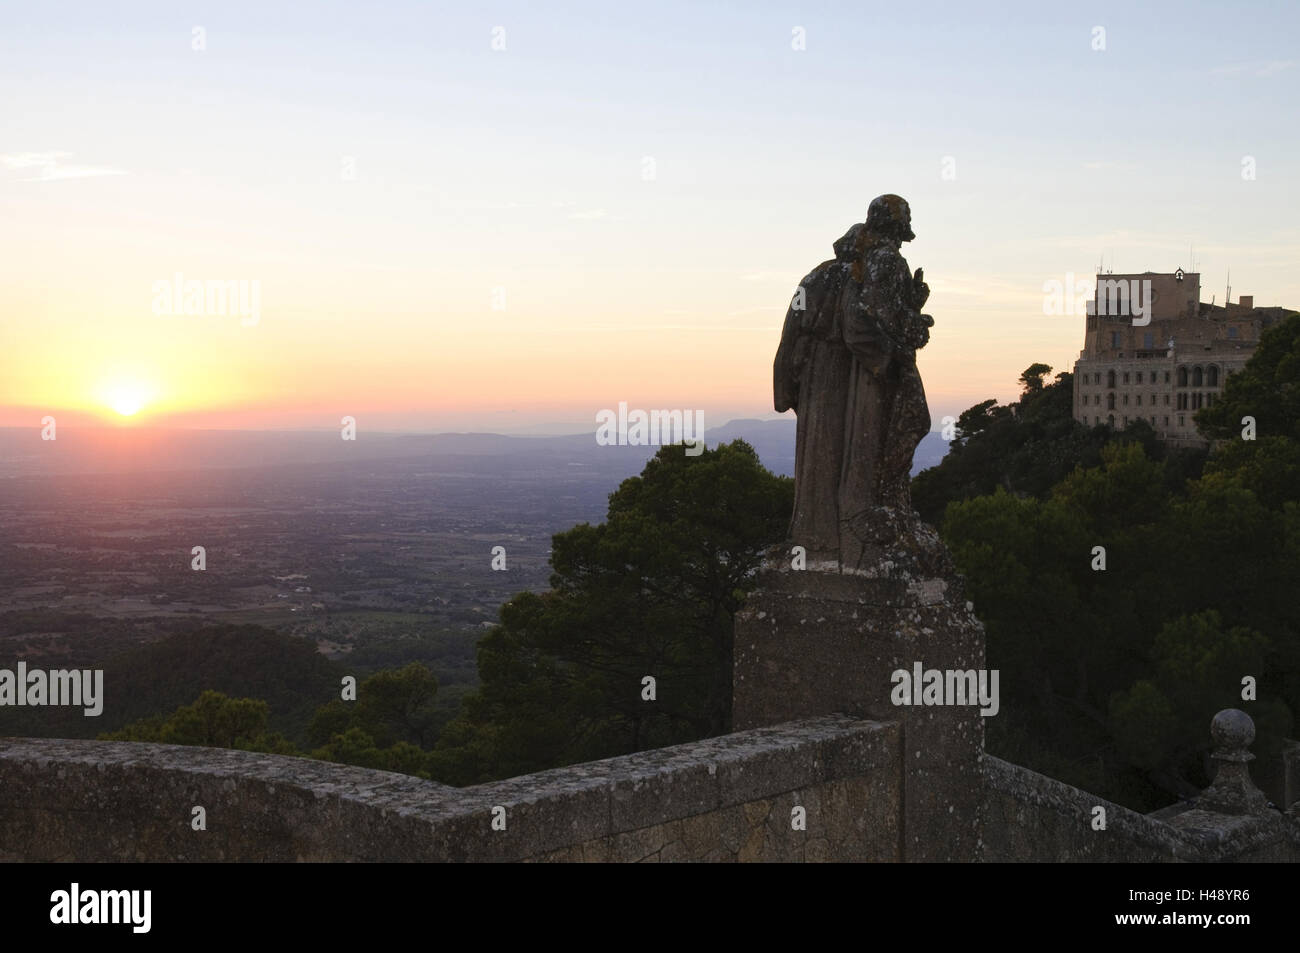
(1227, 297)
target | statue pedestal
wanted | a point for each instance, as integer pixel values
(812, 643)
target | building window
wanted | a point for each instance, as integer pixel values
(1110, 401)
(1166, 402)
(1232, 333)
(1212, 376)
(1110, 421)
(1126, 400)
(1148, 341)
(1097, 400)
(1126, 421)
(1198, 379)
(1182, 377)
(1180, 420)
(1139, 380)
(1110, 378)
(1209, 399)
(1153, 421)
(1166, 421)
(1114, 339)
(1126, 377)
(1139, 400)
(1166, 378)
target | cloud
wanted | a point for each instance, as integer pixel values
(1268, 68)
(588, 216)
(50, 166)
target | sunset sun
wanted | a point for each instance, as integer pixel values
(127, 398)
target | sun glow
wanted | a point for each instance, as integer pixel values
(127, 397)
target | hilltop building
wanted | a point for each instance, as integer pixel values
(1156, 352)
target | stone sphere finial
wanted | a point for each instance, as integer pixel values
(1233, 731)
(1232, 791)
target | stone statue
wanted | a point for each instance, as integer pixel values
(847, 366)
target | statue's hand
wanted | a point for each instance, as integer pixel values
(920, 290)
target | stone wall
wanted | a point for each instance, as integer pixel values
(727, 798)
(1030, 817)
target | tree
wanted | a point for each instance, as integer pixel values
(1031, 379)
(214, 720)
(1110, 676)
(1026, 447)
(1267, 389)
(398, 705)
(1160, 722)
(390, 726)
(652, 591)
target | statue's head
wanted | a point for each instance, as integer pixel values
(890, 217)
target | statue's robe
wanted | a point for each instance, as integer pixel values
(810, 376)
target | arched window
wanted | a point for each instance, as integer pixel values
(1182, 377)
(1198, 379)
(1110, 378)
(1110, 421)
(1212, 376)
(1110, 401)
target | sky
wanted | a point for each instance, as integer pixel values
(511, 216)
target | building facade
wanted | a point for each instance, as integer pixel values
(1154, 351)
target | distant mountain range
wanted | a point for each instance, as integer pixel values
(773, 440)
(136, 449)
